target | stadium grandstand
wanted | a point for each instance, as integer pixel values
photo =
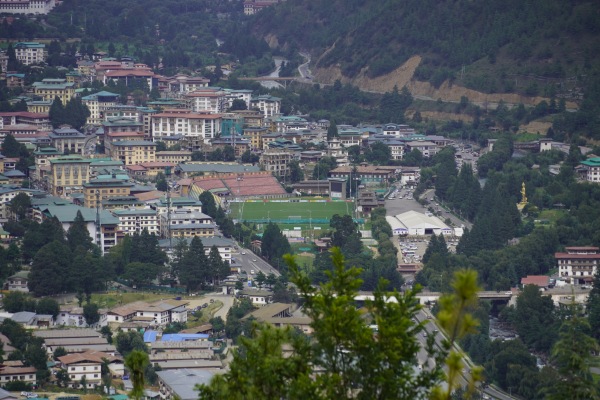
(245, 185)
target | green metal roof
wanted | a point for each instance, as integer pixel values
(134, 143)
(592, 162)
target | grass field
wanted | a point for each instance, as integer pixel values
(113, 299)
(271, 210)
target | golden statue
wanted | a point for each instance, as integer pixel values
(523, 202)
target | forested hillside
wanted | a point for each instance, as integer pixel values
(491, 46)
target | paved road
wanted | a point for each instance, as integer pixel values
(408, 203)
(251, 262)
(431, 328)
(303, 69)
(227, 301)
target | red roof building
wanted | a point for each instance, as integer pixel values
(578, 264)
(537, 280)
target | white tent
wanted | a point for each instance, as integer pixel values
(419, 224)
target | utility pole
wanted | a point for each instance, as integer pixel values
(98, 236)
(167, 175)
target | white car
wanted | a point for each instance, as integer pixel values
(243, 253)
(251, 272)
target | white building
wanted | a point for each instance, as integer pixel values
(193, 223)
(159, 313)
(98, 104)
(26, 6)
(211, 101)
(7, 193)
(88, 365)
(30, 52)
(185, 123)
(268, 105)
(132, 221)
(397, 130)
(578, 265)
(224, 245)
(418, 224)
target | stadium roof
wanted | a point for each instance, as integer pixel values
(414, 220)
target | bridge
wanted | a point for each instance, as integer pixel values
(434, 296)
(266, 78)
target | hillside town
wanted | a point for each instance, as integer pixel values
(173, 233)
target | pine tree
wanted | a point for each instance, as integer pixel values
(332, 131)
(194, 267)
(57, 113)
(10, 146)
(78, 234)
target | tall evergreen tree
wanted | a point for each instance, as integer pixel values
(194, 267)
(57, 112)
(573, 356)
(51, 265)
(219, 269)
(78, 234)
(209, 206)
(332, 130)
(10, 146)
(593, 306)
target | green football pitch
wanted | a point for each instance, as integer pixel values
(273, 210)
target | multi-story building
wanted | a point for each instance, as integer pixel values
(7, 193)
(103, 188)
(251, 7)
(133, 152)
(140, 73)
(397, 130)
(29, 53)
(186, 224)
(180, 84)
(26, 6)
(255, 136)
(185, 124)
(98, 103)
(591, 168)
(40, 120)
(122, 124)
(224, 245)
(238, 94)
(39, 106)
(252, 118)
(396, 146)
(150, 169)
(184, 204)
(161, 313)
(9, 373)
(578, 264)
(132, 221)
(277, 161)
(48, 89)
(112, 137)
(105, 236)
(285, 123)
(268, 105)
(368, 175)
(86, 365)
(207, 100)
(68, 140)
(68, 174)
(427, 148)
(239, 143)
(173, 156)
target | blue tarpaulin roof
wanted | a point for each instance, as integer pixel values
(180, 337)
(150, 336)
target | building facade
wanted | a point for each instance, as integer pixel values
(578, 264)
